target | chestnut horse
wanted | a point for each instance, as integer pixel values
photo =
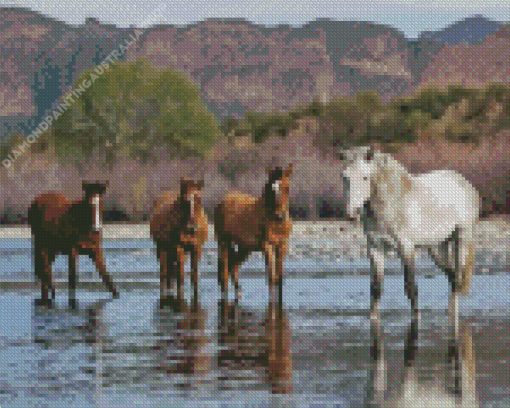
(179, 226)
(69, 228)
(244, 224)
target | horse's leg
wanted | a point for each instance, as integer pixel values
(439, 255)
(376, 381)
(270, 255)
(408, 259)
(181, 260)
(195, 257)
(41, 263)
(223, 267)
(463, 261)
(281, 251)
(234, 262)
(163, 273)
(376, 287)
(51, 258)
(73, 267)
(97, 256)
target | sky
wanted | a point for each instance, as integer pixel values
(409, 16)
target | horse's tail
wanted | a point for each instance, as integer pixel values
(464, 238)
(33, 218)
(218, 218)
(467, 269)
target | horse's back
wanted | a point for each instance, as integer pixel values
(449, 189)
(164, 221)
(46, 207)
(233, 205)
(167, 197)
(238, 198)
(238, 217)
(437, 204)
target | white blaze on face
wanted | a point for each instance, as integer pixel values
(276, 187)
(192, 205)
(359, 176)
(97, 216)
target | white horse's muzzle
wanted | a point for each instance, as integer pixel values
(354, 214)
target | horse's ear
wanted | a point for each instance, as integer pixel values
(370, 154)
(272, 171)
(288, 171)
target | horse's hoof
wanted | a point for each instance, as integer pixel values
(179, 305)
(166, 301)
(44, 303)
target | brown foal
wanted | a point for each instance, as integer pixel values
(69, 228)
(244, 224)
(179, 226)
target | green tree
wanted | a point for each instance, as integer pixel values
(131, 110)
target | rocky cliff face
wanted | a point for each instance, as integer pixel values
(238, 65)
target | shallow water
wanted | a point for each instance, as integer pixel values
(128, 352)
(135, 261)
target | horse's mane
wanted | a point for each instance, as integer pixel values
(391, 176)
(269, 194)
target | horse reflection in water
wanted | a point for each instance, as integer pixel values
(455, 388)
(67, 326)
(262, 346)
(65, 330)
(181, 343)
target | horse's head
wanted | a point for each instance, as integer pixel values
(94, 188)
(277, 191)
(191, 195)
(357, 178)
(93, 194)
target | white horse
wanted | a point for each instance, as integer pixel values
(401, 212)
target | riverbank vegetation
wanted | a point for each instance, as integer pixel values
(143, 128)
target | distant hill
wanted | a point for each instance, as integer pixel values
(238, 65)
(472, 30)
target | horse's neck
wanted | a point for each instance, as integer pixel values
(184, 208)
(77, 218)
(268, 201)
(81, 208)
(391, 183)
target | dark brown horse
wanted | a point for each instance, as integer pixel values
(178, 227)
(69, 228)
(244, 224)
